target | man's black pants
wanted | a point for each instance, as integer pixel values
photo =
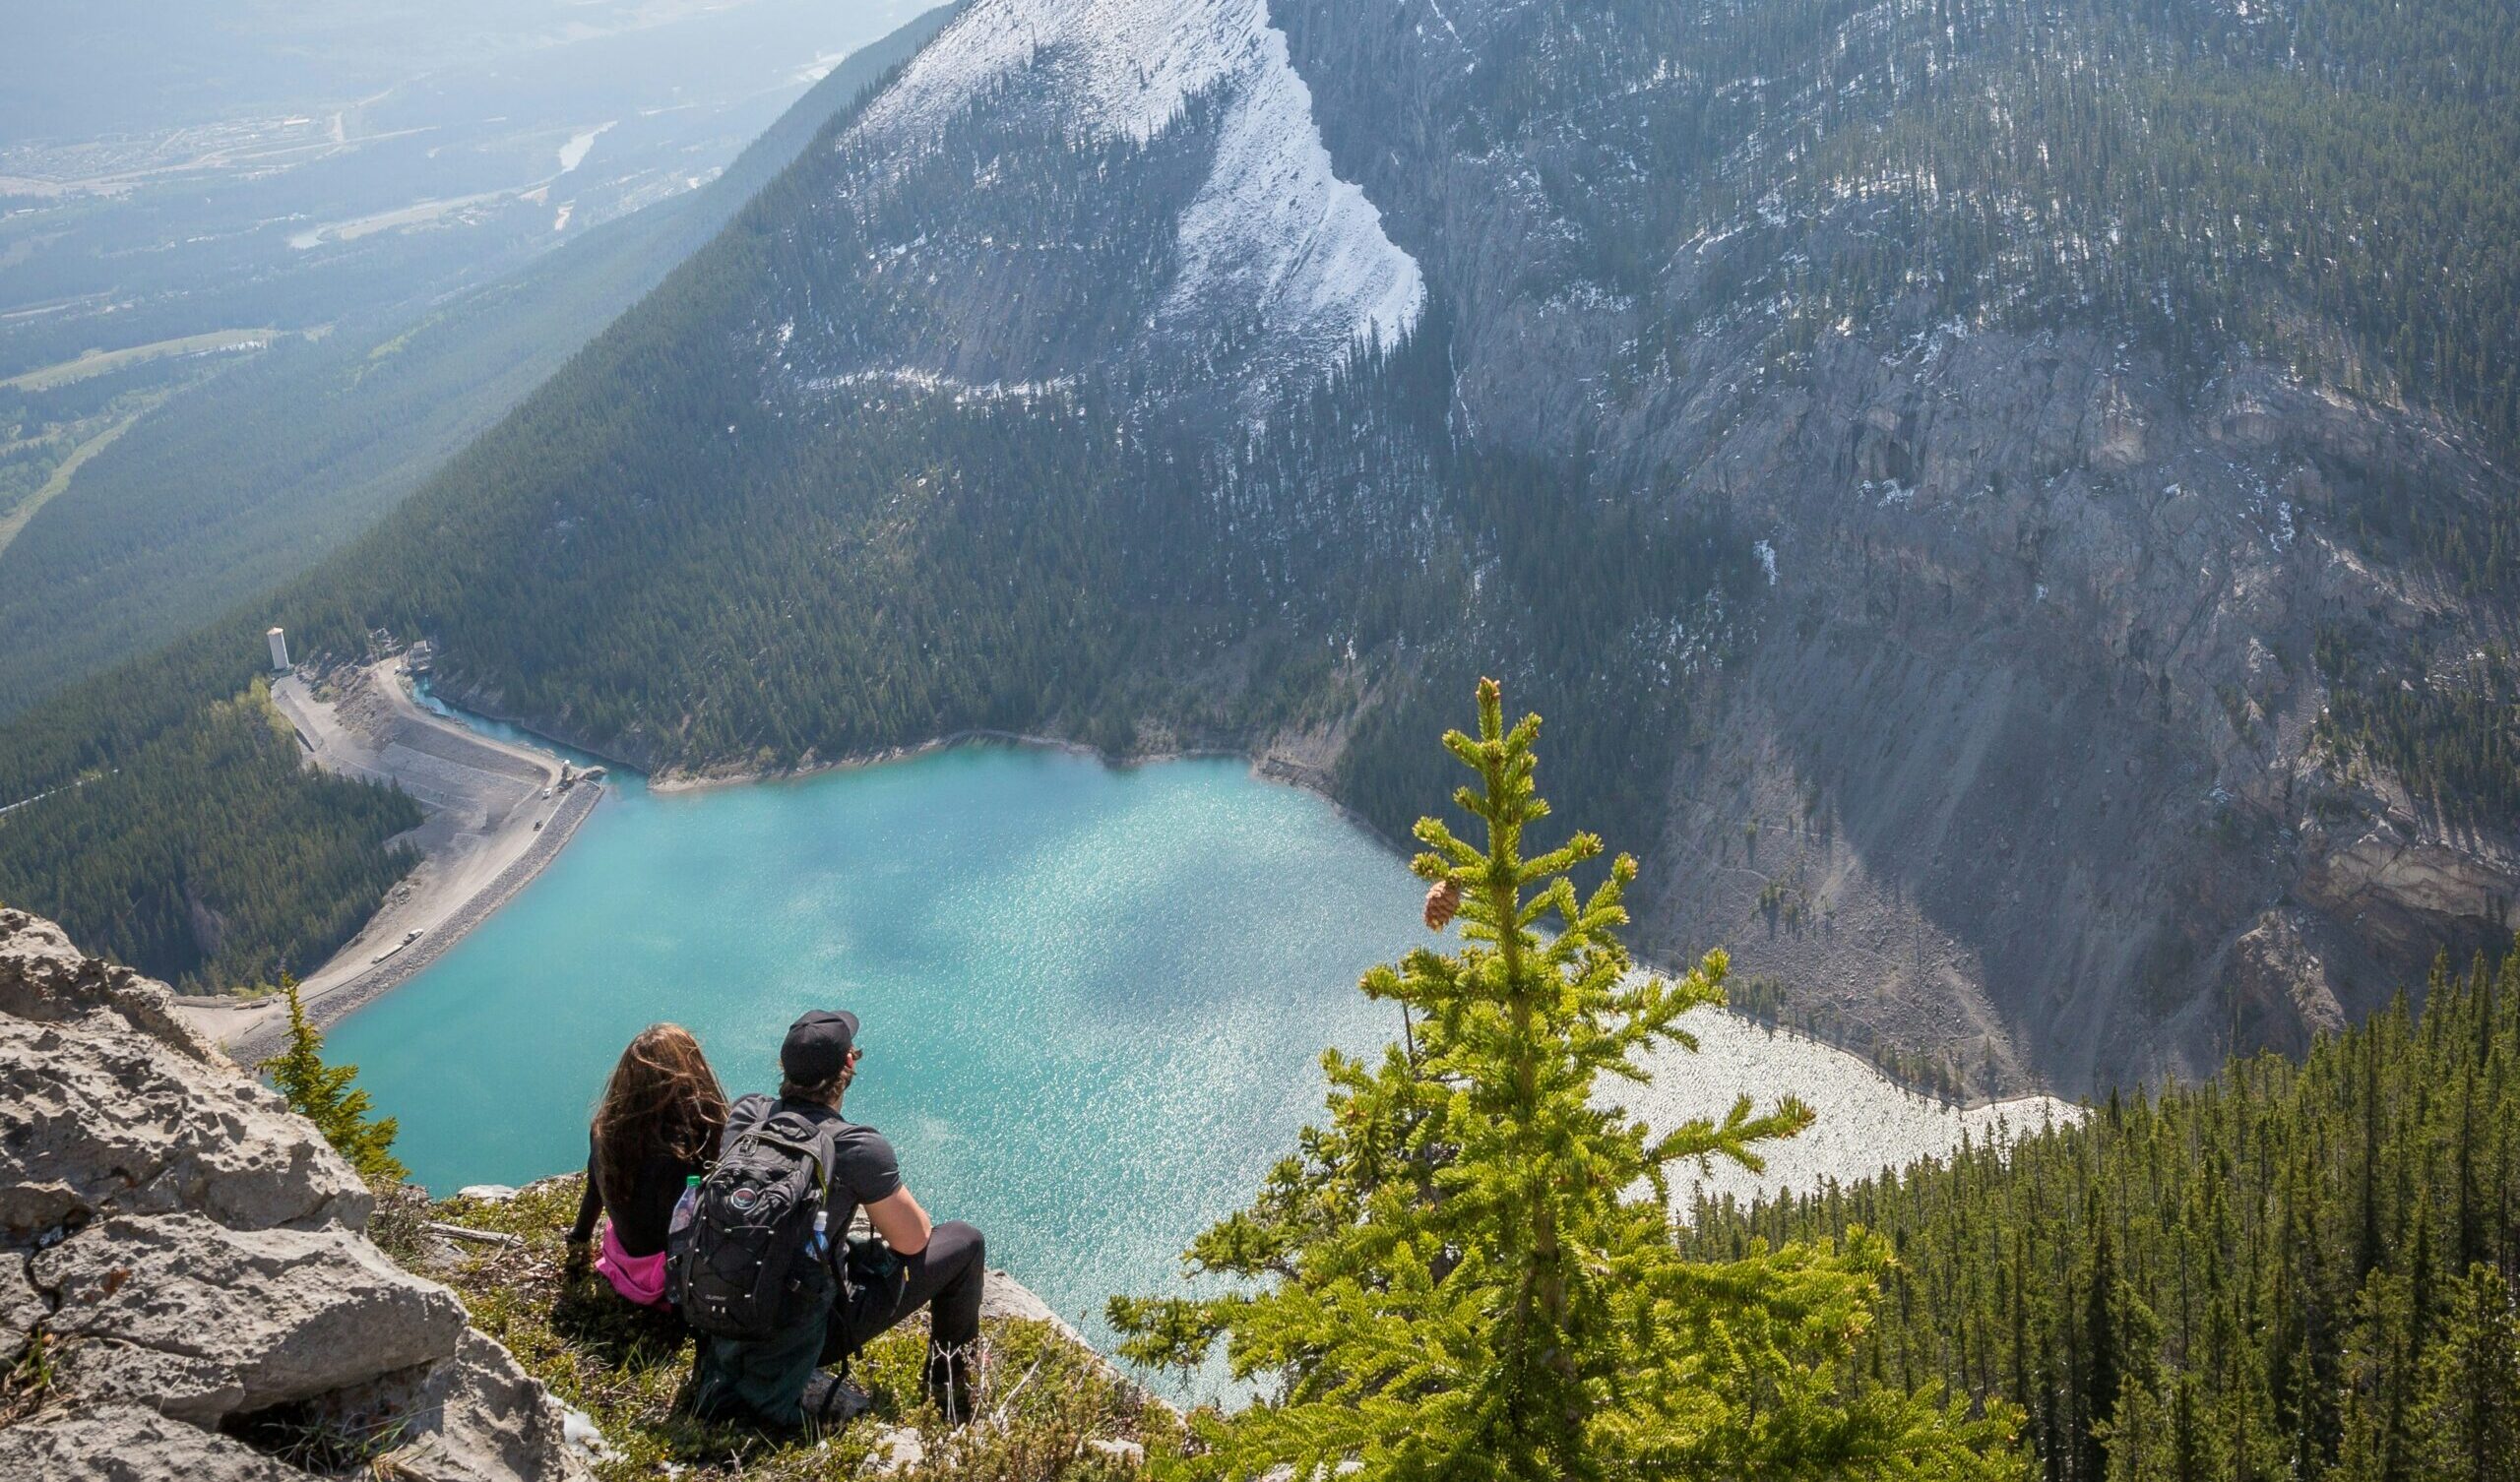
(945, 1278)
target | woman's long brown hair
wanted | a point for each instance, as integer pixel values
(663, 1102)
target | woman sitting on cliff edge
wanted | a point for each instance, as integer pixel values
(655, 1129)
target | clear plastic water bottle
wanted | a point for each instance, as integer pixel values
(684, 1208)
(820, 1246)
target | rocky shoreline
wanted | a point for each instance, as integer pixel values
(681, 780)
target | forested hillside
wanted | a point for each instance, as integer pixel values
(2320, 180)
(2323, 184)
(2292, 1271)
(204, 855)
(863, 555)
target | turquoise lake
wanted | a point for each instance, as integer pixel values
(1093, 998)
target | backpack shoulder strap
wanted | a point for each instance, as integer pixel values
(743, 1116)
(815, 1138)
(827, 1150)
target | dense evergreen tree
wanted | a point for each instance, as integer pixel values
(1469, 1272)
(328, 1096)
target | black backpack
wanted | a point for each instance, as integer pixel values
(742, 1268)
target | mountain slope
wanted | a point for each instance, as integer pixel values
(2018, 752)
(2048, 632)
(252, 479)
(2047, 745)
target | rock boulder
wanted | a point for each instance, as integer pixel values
(475, 1417)
(105, 1120)
(130, 1443)
(44, 978)
(206, 1323)
(193, 1256)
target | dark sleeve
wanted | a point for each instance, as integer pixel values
(864, 1167)
(591, 1203)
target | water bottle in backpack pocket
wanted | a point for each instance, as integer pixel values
(684, 1209)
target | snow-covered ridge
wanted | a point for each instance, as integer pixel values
(1125, 66)
(1274, 233)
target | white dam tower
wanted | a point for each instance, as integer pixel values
(279, 650)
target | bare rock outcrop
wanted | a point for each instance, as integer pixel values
(192, 1259)
(130, 1443)
(475, 1417)
(44, 978)
(105, 1120)
(207, 1323)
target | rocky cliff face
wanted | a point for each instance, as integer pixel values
(186, 1285)
(2030, 733)
(2019, 761)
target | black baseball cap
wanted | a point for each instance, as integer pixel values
(817, 1046)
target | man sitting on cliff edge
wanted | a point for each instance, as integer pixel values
(833, 1304)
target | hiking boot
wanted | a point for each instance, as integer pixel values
(833, 1400)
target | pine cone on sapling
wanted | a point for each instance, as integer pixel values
(1443, 902)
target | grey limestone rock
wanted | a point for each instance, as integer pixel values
(194, 1254)
(104, 1119)
(203, 1322)
(1007, 1299)
(116, 1105)
(475, 1417)
(21, 1306)
(46, 978)
(130, 1443)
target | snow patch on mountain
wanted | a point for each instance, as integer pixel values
(1122, 66)
(1276, 229)
(1273, 236)
(967, 392)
